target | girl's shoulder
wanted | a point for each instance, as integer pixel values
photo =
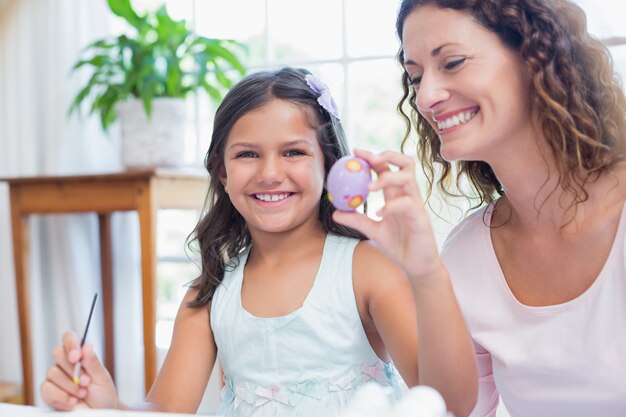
(194, 317)
(368, 253)
(234, 261)
(232, 264)
(374, 269)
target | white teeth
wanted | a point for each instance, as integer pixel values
(271, 197)
(457, 119)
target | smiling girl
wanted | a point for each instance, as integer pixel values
(299, 309)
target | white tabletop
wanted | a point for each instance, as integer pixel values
(12, 410)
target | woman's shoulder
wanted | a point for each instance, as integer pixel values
(468, 230)
(467, 245)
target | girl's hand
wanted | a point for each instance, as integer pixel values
(95, 388)
(404, 232)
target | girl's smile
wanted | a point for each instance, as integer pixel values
(272, 200)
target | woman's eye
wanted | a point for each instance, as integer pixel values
(454, 63)
(415, 81)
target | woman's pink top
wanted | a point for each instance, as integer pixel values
(559, 360)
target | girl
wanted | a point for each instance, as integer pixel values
(299, 310)
(520, 94)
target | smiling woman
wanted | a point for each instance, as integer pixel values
(539, 269)
(452, 79)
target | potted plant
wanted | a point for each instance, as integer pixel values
(145, 77)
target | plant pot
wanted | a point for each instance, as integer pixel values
(158, 141)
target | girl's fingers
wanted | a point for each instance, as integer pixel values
(93, 367)
(62, 380)
(71, 345)
(56, 397)
(60, 358)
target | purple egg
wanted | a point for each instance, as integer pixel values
(347, 183)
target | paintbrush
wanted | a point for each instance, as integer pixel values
(76, 375)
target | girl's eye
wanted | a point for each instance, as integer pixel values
(246, 154)
(294, 152)
(454, 63)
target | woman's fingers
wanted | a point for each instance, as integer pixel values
(402, 177)
(383, 160)
(404, 207)
(393, 183)
(356, 221)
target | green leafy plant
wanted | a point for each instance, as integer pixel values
(164, 58)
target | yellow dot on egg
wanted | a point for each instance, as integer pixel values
(353, 165)
(355, 201)
(330, 197)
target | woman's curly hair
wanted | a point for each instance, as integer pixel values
(575, 93)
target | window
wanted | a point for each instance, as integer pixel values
(345, 42)
(606, 21)
(351, 45)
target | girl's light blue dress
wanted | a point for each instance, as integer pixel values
(307, 363)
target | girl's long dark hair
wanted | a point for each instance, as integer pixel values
(576, 95)
(222, 233)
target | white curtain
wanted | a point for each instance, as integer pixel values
(40, 40)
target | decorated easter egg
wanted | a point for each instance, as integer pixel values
(347, 183)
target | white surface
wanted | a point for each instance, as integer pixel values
(10, 410)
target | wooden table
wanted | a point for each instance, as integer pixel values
(144, 191)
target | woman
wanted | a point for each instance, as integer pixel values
(518, 100)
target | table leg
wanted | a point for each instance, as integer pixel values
(104, 222)
(147, 221)
(20, 255)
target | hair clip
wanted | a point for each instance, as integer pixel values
(325, 99)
